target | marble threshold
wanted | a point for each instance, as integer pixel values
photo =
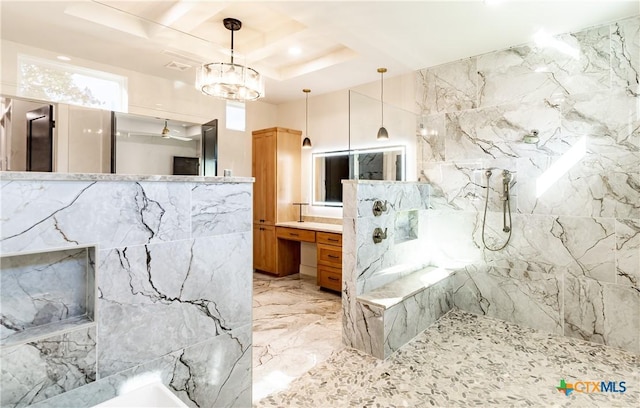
(466, 360)
(296, 326)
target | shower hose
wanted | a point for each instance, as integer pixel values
(506, 209)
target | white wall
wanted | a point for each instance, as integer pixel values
(329, 126)
(151, 154)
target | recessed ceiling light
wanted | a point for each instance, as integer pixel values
(63, 58)
(295, 51)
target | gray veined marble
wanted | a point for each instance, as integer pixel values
(431, 145)
(625, 56)
(37, 176)
(43, 289)
(602, 313)
(220, 209)
(582, 247)
(448, 87)
(47, 214)
(498, 132)
(463, 185)
(576, 201)
(610, 121)
(598, 186)
(530, 298)
(159, 298)
(38, 370)
(628, 252)
(560, 65)
(216, 372)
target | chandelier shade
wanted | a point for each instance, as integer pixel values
(228, 80)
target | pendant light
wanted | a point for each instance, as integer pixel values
(306, 143)
(382, 132)
(230, 81)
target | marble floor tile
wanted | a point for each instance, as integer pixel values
(466, 360)
(296, 326)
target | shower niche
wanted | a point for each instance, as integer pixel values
(46, 293)
(406, 226)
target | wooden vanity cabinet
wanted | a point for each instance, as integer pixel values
(264, 247)
(329, 251)
(275, 165)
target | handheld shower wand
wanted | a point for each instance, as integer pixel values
(506, 208)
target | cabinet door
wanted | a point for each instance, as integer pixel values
(264, 248)
(264, 170)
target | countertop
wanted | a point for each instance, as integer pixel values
(313, 226)
(45, 176)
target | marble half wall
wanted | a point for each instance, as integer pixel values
(369, 268)
(173, 287)
(572, 265)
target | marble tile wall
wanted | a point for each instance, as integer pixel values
(368, 265)
(572, 265)
(173, 282)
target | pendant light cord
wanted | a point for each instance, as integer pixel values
(306, 117)
(382, 98)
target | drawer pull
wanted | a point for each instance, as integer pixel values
(333, 240)
(333, 256)
(331, 278)
(294, 235)
(261, 229)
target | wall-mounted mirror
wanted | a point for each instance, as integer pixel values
(330, 168)
(149, 145)
(76, 139)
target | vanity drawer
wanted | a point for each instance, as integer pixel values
(330, 255)
(295, 234)
(329, 238)
(330, 278)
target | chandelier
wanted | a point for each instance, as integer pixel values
(228, 80)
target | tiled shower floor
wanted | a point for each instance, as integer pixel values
(467, 360)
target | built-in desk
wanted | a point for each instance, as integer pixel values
(328, 240)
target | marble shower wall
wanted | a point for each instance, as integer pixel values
(572, 265)
(173, 273)
(368, 266)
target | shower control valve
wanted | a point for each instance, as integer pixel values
(379, 207)
(379, 235)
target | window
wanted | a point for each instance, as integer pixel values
(236, 115)
(59, 82)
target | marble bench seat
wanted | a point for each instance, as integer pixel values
(403, 308)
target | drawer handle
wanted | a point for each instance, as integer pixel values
(261, 229)
(333, 279)
(294, 234)
(333, 256)
(333, 240)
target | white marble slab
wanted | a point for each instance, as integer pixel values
(398, 290)
(45, 176)
(312, 226)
